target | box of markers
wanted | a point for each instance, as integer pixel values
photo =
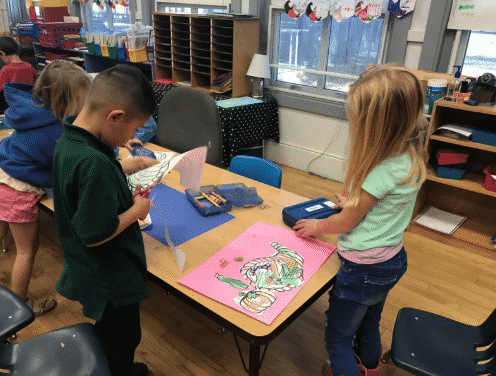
(213, 199)
(210, 202)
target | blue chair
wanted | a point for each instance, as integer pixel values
(258, 169)
(71, 351)
(427, 344)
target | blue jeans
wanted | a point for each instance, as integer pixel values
(355, 307)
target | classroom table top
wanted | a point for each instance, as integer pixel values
(162, 265)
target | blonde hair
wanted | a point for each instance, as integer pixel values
(60, 88)
(385, 111)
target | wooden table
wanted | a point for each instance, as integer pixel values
(163, 271)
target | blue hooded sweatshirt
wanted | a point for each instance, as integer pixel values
(27, 154)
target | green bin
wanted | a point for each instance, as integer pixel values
(91, 47)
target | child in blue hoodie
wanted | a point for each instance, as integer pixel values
(35, 114)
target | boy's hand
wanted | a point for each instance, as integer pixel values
(142, 204)
(307, 227)
(131, 165)
(129, 145)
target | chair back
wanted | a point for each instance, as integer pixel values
(189, 118)
(15, 314)
(258, 169)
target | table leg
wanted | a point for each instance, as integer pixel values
(254, 363)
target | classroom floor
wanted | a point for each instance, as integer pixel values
(178, 341)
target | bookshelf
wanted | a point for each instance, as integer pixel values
(194, 50)
(466, 197)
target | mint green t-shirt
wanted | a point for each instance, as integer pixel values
(385, 224)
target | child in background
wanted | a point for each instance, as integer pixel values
(26, 160)
(385, 171)
(97, 215)
(15, 69)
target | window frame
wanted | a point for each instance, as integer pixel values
(86, 13)
(318, 92)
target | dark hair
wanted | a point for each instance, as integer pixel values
(125, 85)
(9, 46)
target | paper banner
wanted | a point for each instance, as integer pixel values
(317, 10)
(342, 9)
(368, 11)
(399, 8)
(260, 271)
(295, 9)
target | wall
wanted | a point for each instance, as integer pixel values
(305, 136)
(4, 18)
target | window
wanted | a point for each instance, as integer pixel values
(107, 21)
(480, 56)
(323, 57)
(189, 8)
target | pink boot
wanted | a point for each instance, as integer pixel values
(366, 371)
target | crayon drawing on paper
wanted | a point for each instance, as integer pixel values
(261, 271)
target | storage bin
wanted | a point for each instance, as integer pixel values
(52, 57)
(51, 3)
(449, 173)
(52, 34)
(490, 182)
(139, 55)
(112, 52)
(91, 47)
(53, 14)
(449, 157)
(27, 30)
(121, 53)
(98, 50)
(104, 49)
(484, 136)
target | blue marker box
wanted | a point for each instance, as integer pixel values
(318, 208)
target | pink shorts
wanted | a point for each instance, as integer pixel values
(17, 206)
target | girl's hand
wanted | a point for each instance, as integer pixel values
(342, 200)
(129, 145)
(131, 165)
(142, 204)
(307, 227)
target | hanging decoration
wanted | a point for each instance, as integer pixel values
(368, 11)
(295, 9)
(100, 4)
(340, 10)
(122, 3)
(111, 4)
(317, 10)
(400, 8)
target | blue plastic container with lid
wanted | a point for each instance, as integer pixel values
(318, 208)
(484, 136)
(449, 172)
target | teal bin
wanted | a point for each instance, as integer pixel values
(112, 50)
(91, 47)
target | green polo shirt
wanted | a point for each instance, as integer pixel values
(90, 191)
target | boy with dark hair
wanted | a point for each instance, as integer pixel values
(15, 70)
(104, 255)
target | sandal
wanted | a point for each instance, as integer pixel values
(41, 306)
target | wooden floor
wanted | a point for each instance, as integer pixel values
(457, 283)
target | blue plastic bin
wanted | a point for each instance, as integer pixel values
(484, 136)
(121, 53)
(449, 173)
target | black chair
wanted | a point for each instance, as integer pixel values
(189, 118)
(71, 351)
(427, 344)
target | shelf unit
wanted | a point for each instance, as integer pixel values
(466, 197)
(194, 50)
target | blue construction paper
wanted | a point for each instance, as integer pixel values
(183, 221)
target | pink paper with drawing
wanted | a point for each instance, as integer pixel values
(260, 271)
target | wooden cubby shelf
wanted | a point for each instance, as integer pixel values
(466, 197)
(194, 50)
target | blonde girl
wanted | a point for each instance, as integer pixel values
(26, 155)
(385, 171)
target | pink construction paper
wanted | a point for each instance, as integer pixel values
(282, 261)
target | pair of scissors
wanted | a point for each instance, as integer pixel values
(145, 192)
